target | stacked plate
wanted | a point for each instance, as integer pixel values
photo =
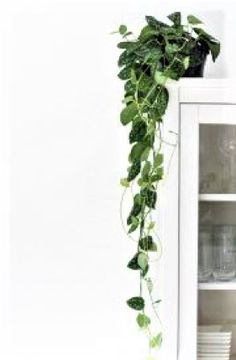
(213, 343)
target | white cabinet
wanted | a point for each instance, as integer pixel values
(199, 220)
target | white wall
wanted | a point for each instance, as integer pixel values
(63, 253)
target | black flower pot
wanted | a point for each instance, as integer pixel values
(197, 62)
(196, 71)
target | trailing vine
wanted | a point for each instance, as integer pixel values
(160, 53)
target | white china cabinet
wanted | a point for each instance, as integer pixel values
(199, 220)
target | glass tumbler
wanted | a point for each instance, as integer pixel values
(223, 250)
(205, 257)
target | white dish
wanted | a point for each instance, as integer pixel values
(214, 347)
(210, 327)
(223, 333)
(225, 337)
(215, 358)
(203, 357)
(212, 354)
(214, 341)
(217, 352)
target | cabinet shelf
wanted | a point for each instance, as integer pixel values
(218, 285)
(218, 197)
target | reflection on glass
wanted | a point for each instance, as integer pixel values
(205, 253)
(217, 159)
(227, 147)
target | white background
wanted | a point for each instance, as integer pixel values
(62, 152)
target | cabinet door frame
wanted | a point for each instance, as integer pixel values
(188, 244)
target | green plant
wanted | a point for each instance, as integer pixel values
(160, 53)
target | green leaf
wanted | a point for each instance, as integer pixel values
(128, 99)
(142, 53)
(151, 225)
(138, 131)
(133, 228)
(145, 271)
(175, 18)
(158, 172)
(137, 152)
(138, 199)
(171, 48)
(150, 197)
(134, 170)
(127, 33)
(136, 303)
(142, 183)
(128, 113)
(134, 224)
(176, 69)
(157, 302)
(186, 62)
(135, 221)
(133, 263)
(143, 321)
(160, 78)
(203, 33)
(158, 160)
(215, 50)
(136, 209)
(125, 73)
(133, 77)
(124, 182)
(146, 169)
(147, 32)
(154, 23)
(212, 43)
(145, 83)
(129, 45)
(147, 244)
(156, 341)
(143, 261)
(157, 176)
(122, 29)
(161, 103)
(129, 87)
(193, 20)
(154, 54)
(145, 154)
(126, 58)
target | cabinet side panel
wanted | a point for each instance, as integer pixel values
(168, 229)
(189, 152)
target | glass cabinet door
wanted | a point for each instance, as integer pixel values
(208, 263)
(217, 242)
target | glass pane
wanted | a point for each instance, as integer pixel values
(217, 243)
(217, 159)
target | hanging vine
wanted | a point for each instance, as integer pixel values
(160, 53)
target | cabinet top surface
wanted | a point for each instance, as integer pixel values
(206, 82)
(202, 90)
